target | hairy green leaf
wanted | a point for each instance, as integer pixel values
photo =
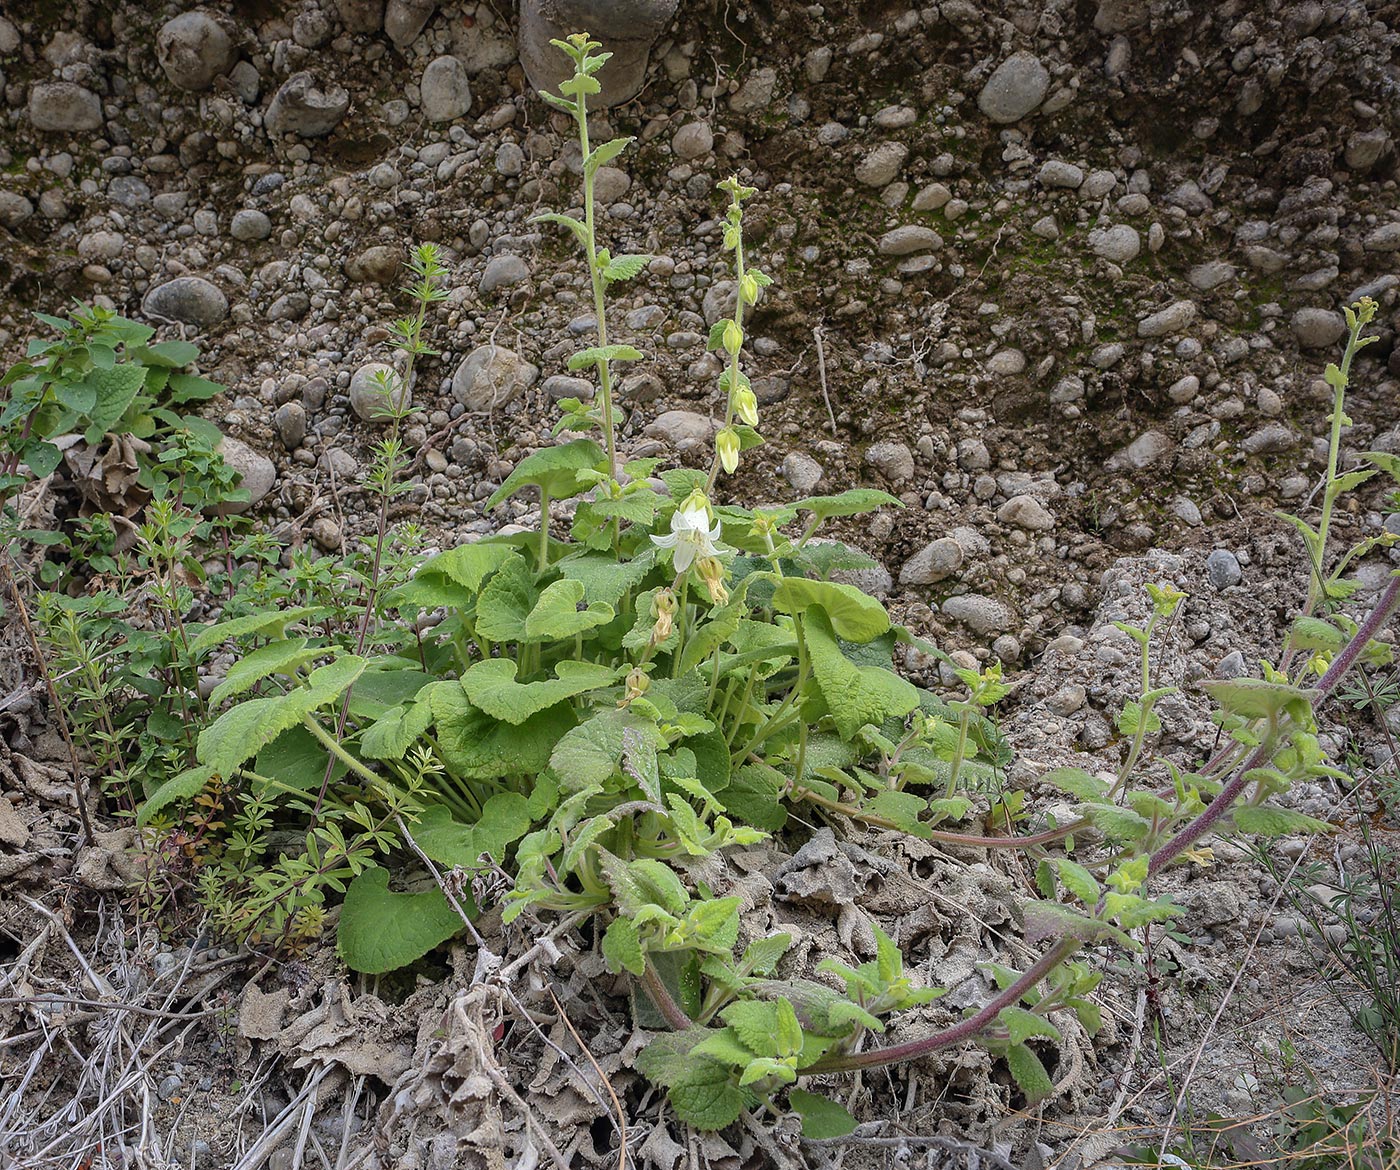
(848, 503)
(555, 470)
(855, 695)
(479, 747)
(556, 616)
(184, 786)
(622, 949)
(854, 615)
(264, 624)
(1029, 1073)
(284, 657)
(380, 930)
(505, 602)
(822, 1118)
(1268, 821)
(491, 686)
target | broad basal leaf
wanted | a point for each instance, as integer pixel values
(380, 930)
(555, 470)
(284, 657)
(479, 747)
(557, 616)
(505, 603)
(491, 686)
(854, 615)
(847, 503)
(821, 1116)
(855, 695)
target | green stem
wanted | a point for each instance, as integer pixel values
(544, 529)
(599, 310)
(959, 751)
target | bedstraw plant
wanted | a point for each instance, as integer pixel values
(667, 673)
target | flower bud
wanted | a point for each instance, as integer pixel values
(637, 683)
(746, 405)
(733, 338)
(727, 444)
(663, 609)
(749, 288)
(711, 571)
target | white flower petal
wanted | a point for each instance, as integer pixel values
(665, 541)
(685, 555)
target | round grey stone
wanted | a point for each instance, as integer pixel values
(189, 299)
(561, 386)
(15, 209)
(510, 159)
(882, 164)
(1017, 87)
(1223, 569)
(405, 19)
(1318, 328)
(893, 460)
(1119, 243)
(1173, 319)
(693, 140)
(368, 398)
(290, 424)
(1057, 173)
(683, 429)
(379, 264)
(492, 376)
(802, 472)
(503, 272)
(64, 107)
(250, 224)
(1026, 511)
(446, 90)
(193, 49)
(934, 562)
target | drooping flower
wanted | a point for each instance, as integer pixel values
(727, 444)
(663, 608)
(691, 534)
(746, 405)
(711, 570)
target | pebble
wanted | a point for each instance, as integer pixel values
(404, 20)
(1147, 449)
(289, 421)
(1270, 439)
(802, 472)
(367, 397)
(189, 299)
(1055, 173)
(1385, 238)
(683, 429)
(1211, 275)
(510, 159)
(15, 209)
(1318, 328)
(503, 272)
(1173, 319)
(379, 264)
(445, 89)
(756, 93)
(258, 472)
(64, 106)
(693, 140)
(903, 241)
(1119, 243)
(1223, 569)
(250, 224)
(491, 376)
(1026, 511)
(1070, 698)
(193, 49)
(936, 561)
(1232, 665)
(882, 164)
(302, 107)
(1017, 87)
(893, 460)
(1007, 363)
(932, 197)
(981, 614)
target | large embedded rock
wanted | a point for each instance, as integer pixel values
(193, 49)
(304, 108)
(64, 107)
(492, 376)
(1017, 87)
(191, 300)
(626, 28)
(445, 89)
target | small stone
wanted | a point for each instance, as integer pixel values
(1046, 228)
(303, 108)
(1070, 698)
(361, 16)
(610, 185)
(903, 241)
(326, 534)
(289, 421)
(379, 264)
(1223, 569)
(503, 272)
(1232, 665)
(1117, 244)
(1385, 238)
(1185, 509)
(250, 224)
(491, 376)
(258, 473)
(693, 140)
(1056, 173)
(1211, 275)
(189, 299)
(683, 429)
(193, 49)
(893, 460)
(1184, 389)
(1026, 512)
(1148, 449)
(1007, 363)
(404, 20)
(170, 1087)
(65, 107)
(1271, 439)
(15, 209)
(802, 472)
(1006, 648)
(510, 159)
(1173, 319)
(446, 90)
(1318, 328)
(368, 398)
(932, 197)
(1017, 87)
(936, 561)
(561, 386)
(756, 93)
(817, 63)
(981, 614)
(882, 164)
